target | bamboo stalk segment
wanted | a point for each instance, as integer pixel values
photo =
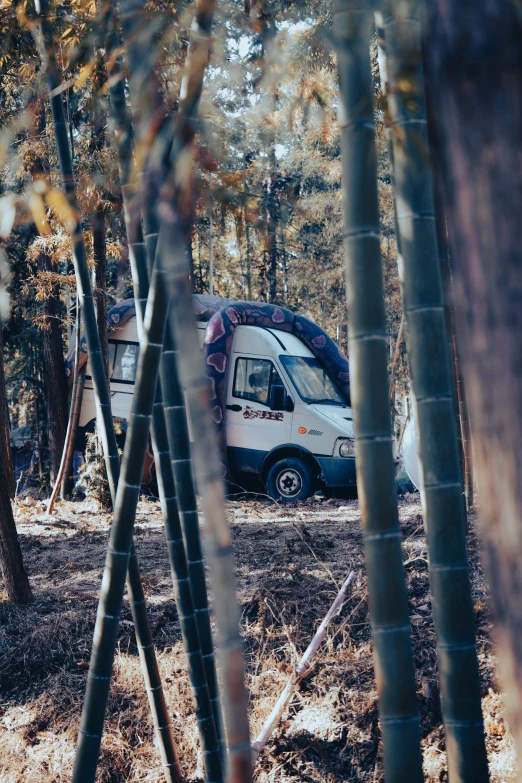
(368, 365)
(119, 558)
(179, 443)
(107, 623)
(432, 384)
(143, 91)
(210, 484)
(177, 555)
(193, 377)
(170, 436)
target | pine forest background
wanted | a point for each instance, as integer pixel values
(266, 200)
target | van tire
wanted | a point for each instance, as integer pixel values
(290, 479)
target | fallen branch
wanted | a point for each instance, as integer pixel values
(396, 358)
(302, 668)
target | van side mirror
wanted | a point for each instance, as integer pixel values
(289, 404)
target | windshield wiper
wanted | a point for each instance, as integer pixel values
(327, 401)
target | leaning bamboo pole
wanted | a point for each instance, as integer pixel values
(432, 384)
(120, 550)
(143, 90)
(178, 560)
(90, 738)
(171, 247)
(368, 365)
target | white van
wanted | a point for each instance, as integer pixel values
(286, 422)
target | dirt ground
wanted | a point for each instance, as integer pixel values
(290, 562)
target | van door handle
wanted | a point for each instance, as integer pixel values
(235, 408)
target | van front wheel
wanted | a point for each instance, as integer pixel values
(290, 479)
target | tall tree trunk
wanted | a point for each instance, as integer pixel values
(11, 561)
(475, 71)
(271, 236)
(6, 459)
(98, 219)
(54, 379)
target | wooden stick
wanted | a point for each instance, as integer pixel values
(73, 409)
(302, 667)
(396, 358)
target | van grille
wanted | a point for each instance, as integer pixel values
(314, 432)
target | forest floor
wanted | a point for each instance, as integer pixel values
(290, 562)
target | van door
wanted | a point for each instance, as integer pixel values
(252, 427)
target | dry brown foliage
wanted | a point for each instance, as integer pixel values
(290, 562)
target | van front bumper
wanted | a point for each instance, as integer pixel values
(337, 471)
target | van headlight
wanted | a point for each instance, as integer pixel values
(347, 448)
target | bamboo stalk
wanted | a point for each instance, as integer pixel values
(94, 708)
(431, 378)
(302, 668)
(142, 86)
(368, 366)
(73, 414)
(192, 373)
(119, 557)
(178, 560)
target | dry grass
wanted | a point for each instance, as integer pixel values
(290, 563)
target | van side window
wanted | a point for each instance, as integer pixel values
(253, 379)
(125, 362)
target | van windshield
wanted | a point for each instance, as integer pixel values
(311, 380)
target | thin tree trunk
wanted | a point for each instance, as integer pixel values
(11, 561)
(248, 257)
(210, 256)
(272, 215)
(395, 674)
(54, 378)
(5, 438)
(99, 281)
(67, 483)
(74, 415)
(475, 72)
(98, 219)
